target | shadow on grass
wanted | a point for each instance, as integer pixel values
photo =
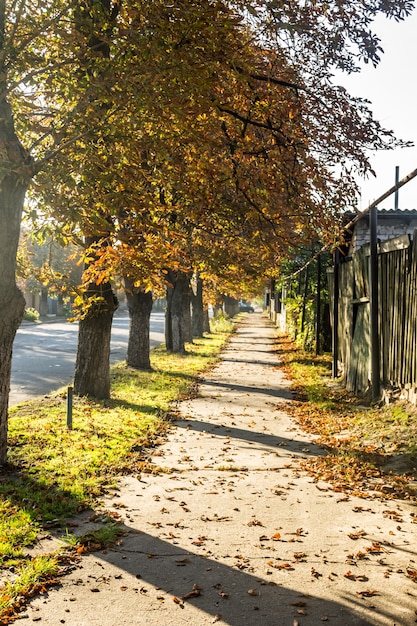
(44, 501)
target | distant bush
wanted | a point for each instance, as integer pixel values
(31, 315)
(221, 323)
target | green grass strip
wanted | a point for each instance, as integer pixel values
(55, 472)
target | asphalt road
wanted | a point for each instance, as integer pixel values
(44, 354)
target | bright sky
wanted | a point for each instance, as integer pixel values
(392, 89)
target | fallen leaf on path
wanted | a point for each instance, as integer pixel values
(357, 535)
(280, 565)
(375, 548)
(367, 593)
(412, 573)
(192, 594)
(355, 577)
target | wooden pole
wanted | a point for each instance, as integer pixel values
(373, 276)
(335, 329)
(397, 180)
(69, 408)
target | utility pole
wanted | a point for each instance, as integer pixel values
(397, 180)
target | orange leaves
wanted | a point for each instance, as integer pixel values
(357, 535)
(356, 577)
(412, 573)
(200, 541)
(367, 593)
(194, 593)
(283, 566)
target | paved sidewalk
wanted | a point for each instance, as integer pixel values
(235, 534)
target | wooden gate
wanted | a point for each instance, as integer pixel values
(397, 317)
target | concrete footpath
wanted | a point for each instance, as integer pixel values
(236, 533)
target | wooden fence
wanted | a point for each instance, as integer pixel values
(397, 317)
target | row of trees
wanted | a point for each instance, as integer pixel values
(172, 139)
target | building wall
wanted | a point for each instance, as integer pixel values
(388, 228)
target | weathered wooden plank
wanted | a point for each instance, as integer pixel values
(401, 279)
(345, 314)
(359, 373)
(402, 242)
(413, 310)
(382, 267)
(407, 321)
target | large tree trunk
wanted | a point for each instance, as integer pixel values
(17, 172)
(140, 307)
(231, 306)
(186, 321)
(12, 307)
(198, 308)
(177, 292)
(92, 367)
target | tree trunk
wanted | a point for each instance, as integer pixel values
(43, 304)
(92, 367)
(12, 307)
(140, 307)
(231, 306)
(198, 309)
(206, 320)
(177, 291)
(60, 306)
(168, 319)
(186, 321)
(17, 171)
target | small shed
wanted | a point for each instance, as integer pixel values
(392, 223)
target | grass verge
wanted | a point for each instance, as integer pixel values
(54, 472)
(371, 451)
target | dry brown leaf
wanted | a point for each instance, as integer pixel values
(357, 535)
(367, 593)
(195, 593)
(412, 573)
